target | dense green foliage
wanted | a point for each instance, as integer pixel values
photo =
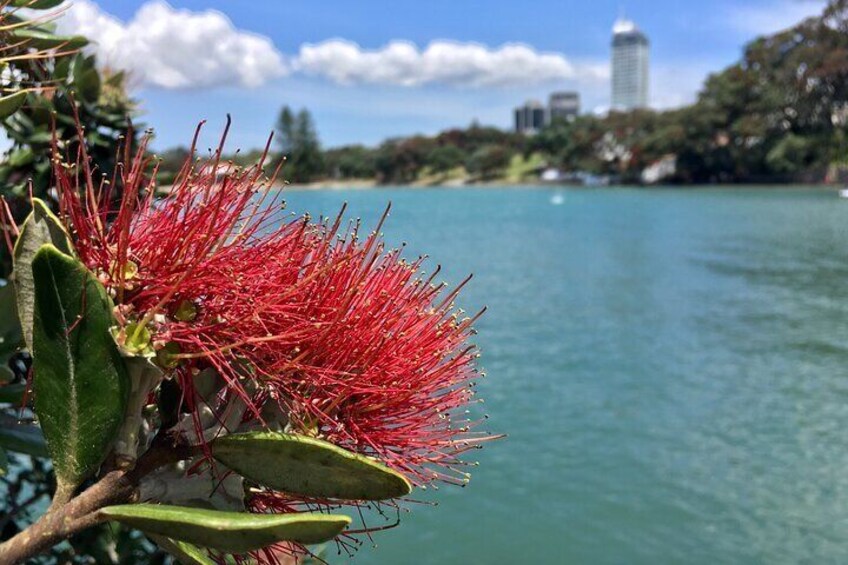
(63, 90)
(62, 94)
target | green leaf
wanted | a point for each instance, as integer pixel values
(41, 112)
(60, 73)
(12, 394)
(86, 79)
(11, 103)
(43, 137)
(42, 40)
(11, 338)
(184, 552)
(23, 439)
(21, 157)
(4, 462)
(308, 466)
(6, 373)
(36, 4)
(40, 227)
(233, 532)
(79, 380)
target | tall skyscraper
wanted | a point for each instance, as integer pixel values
(563, 106)
(530, 118)
(629, 66)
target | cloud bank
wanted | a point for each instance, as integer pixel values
(442, 62)
(170, 48)
(179, 49)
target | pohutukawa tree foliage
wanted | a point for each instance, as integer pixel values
(48, 89)
(225, 378)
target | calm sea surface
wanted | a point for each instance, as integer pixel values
(671, 367)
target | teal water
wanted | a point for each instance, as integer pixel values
(671, 367)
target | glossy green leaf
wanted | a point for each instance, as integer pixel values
(36, 4)
(43, 40)
(233, 532)
(40, 227)
(308, 466)
(23, 439)
(79, 379)
(11, 103)
(184, 552)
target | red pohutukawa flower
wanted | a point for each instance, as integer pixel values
(308, 324)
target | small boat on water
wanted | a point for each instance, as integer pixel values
(843, 193)
(557, 199)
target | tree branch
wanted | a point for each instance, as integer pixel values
(61, 522)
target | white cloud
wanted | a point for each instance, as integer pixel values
(177, 49)
(170, 48)
(441, 62)
(772, 17)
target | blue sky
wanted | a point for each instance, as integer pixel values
(364, 68)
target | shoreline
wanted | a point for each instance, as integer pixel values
(362, 184)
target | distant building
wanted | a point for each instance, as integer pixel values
(629, 66)
(530, 118)
(563, 106)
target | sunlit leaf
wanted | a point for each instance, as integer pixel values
(21, 157)
(80, 382)
(40, 227)
(36, 4)
(308, 466)
(42, 40)
(233, 532)
(11, 103)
